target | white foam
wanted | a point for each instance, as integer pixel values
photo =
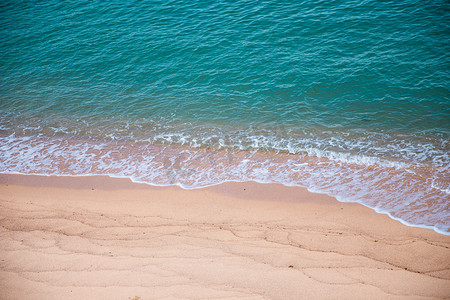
(395, 188)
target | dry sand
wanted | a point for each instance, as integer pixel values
(104, 238)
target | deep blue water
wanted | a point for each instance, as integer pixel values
(350, 98)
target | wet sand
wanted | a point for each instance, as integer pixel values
(108, 238)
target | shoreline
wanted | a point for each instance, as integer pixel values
(55, 180)
(103, 237)
(402, 193)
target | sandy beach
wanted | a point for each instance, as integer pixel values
(109, 238)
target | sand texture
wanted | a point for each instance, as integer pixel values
(103, 238)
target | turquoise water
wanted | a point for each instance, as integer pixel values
(350, 98)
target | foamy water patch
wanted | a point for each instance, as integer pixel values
(416, 194)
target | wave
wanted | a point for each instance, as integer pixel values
(415, 193)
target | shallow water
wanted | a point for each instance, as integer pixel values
(348, 98)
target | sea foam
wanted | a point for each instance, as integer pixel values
(403, 191)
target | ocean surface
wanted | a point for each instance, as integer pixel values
(348, 98)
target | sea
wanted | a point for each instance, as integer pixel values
(347, 98)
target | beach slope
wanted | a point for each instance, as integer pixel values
(109, 238)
